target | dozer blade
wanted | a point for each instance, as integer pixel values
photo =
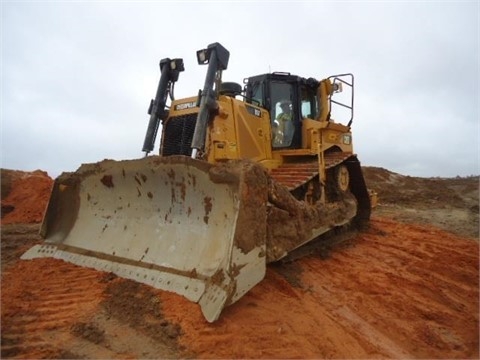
(174, 223)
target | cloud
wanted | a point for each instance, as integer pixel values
(77, 77)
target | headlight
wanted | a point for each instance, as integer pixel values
(347, 139)
(202, 56)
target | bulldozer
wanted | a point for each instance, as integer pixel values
(244, 176)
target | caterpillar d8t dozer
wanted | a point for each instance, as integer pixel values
(245, 175)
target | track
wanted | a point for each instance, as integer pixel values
(295, 175)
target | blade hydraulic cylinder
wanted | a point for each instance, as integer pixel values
(170, 70)
(217, 58)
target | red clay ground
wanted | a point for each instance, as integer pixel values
(397, 290)
(24, 196)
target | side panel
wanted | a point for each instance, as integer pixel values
(239, 131)
(328, 134)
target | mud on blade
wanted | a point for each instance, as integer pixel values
(173, 223)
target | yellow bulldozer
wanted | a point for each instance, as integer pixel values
(245, 174)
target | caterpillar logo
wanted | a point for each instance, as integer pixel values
(187, 105)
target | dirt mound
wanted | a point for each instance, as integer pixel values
(449, 203)
(394, 188)
(24, 195)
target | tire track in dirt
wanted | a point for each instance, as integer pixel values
(273, 320)
(38, 310)
(425, 304)
(54, 309)
(415, 276)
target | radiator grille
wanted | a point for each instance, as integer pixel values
(178, 135)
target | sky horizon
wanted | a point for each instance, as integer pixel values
(77, 77)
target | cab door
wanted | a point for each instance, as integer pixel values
(284, 115)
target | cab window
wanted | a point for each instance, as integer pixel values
(256, 95)
(309, 103)
(282, 114)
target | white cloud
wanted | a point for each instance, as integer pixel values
(77, 77)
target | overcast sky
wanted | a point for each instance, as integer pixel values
(77, 77)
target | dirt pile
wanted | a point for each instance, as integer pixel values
(24, 196)
(449, 203)
(395, 188)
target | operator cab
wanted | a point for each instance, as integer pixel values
(289, 99)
